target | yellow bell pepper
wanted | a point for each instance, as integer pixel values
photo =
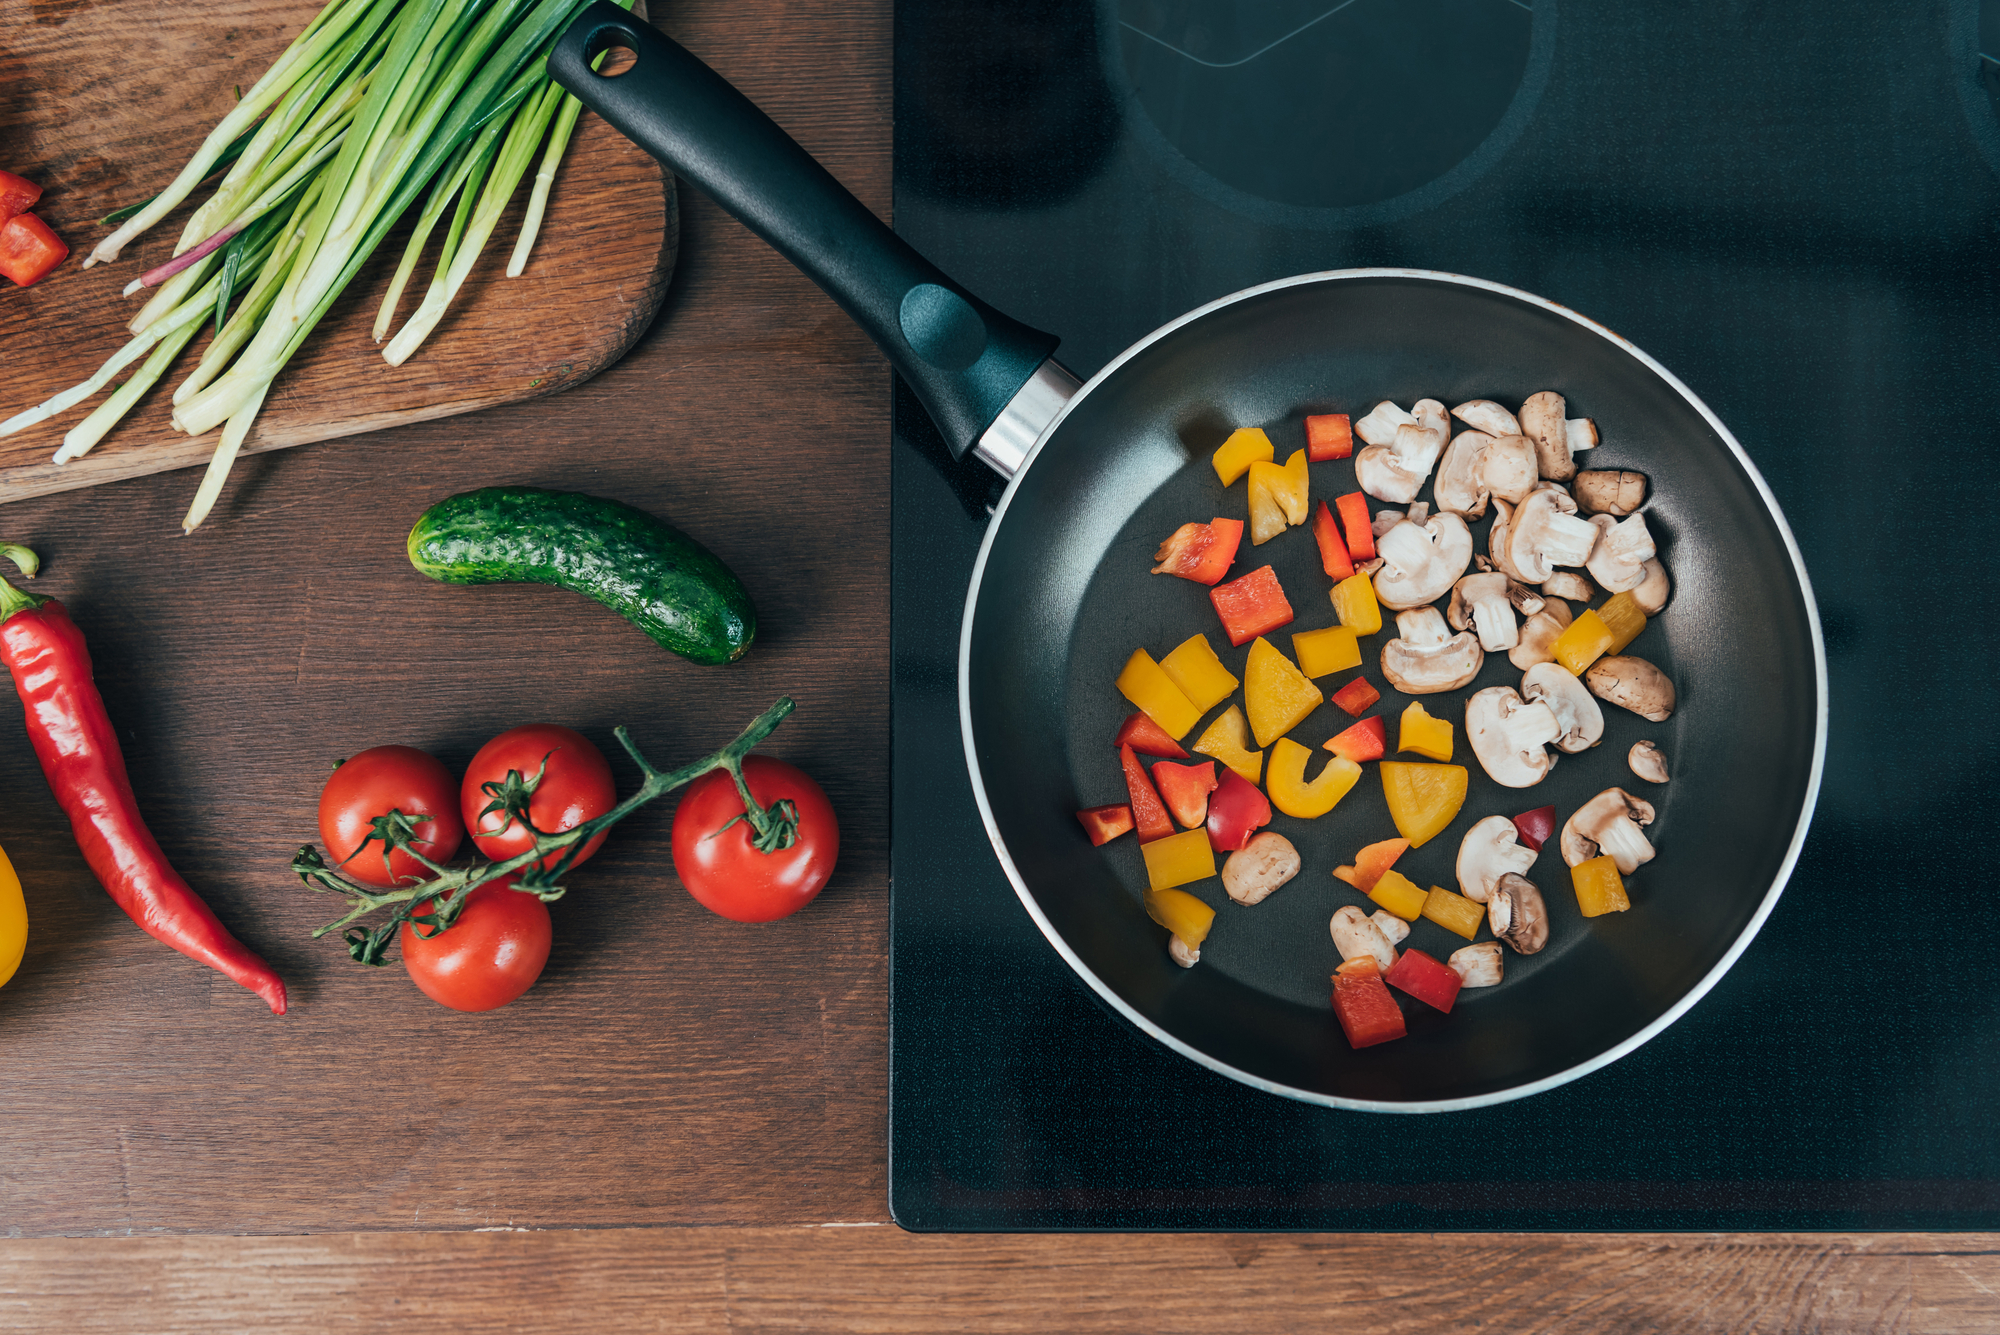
(1329, 649)
(1599, 887)
(1278, 497)
(1354, 603)
(1289, 791)
(1587, 640)
(1624, 618)
(1276, 695)
(1180, 913)
(1423, 799)
(1228, 740)
(1400, 895)
(1454, 912)
(1244, 447)
(1423, 734)
(1194, 668)
(1178, 859)
(13, 921)
(1147, 686)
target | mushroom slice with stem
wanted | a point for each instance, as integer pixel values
(1508, 468)
(1517, 914)
(1510, 736)
(1491, 849)
(1653, 592)
(1580, 433)
(1538, 634)
(1421, 561)
(1569, 584)
(1393, 929)
(1542, 422)
(1524, 599)
(1545, 533)
(1634, 684)
(1477, 965)
(1488, 416)
(1480, 603)
(1647, 762)
(1354, 936)
(1582, 721)
(1183, 954)
(1460, 486)
(1379, 426)
(1609, 491)
(1259, 867)
(1618, 560)
(1609, 823)
(1425, 657)
(1396, 471)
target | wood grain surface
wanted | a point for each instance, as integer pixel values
(718, 1090)
(102, 104)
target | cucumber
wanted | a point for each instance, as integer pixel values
(644, 569)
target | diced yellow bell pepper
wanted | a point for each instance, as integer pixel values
(1423, 799)
(1400, 895)
(1276, 695)
(1180, 913)
(1599, 887)
(1244, 447)
(1453, 912)
(1354, 603)
(1178, 859)
(1228, 740)
(1328, 649)
(1147, 686)
(1194, 668)
(1423, 734)
(1287, 786)
(1624, 618)
(1587, 640)
(1278, 496)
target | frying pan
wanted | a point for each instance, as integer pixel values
(1062, 594)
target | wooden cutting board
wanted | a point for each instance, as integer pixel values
(101, 104)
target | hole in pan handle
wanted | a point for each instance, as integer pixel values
(966, 361)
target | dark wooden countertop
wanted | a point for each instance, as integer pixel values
(683, 1126)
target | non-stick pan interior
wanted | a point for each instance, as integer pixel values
(1064, 596)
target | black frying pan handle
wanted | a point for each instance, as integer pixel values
(964, 359)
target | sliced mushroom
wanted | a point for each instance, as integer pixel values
(1652, 595)
(1545, 533)
(1488, 416)
(1393, 929)
(1539, 632)
(1647, 762)
(1508, 468)
(1183, 954)
(1517, 914)
(1418, 512)
(1491, 849)
(1618, 560)
(1460, 486)
(1569, 584)
(1259, 867)
(1510, 736)
(1632, 683)
(1425, 657)
(1396, 471)
(1384, 520)
(1379, 426)
(1542, 422)
(1421, 561)
(1609, 823)
(1609, 491)
(1525, 600)
(1477, 965)
(1581, 720)
(1354, 936)
(1480, 603)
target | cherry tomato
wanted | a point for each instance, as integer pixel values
(493, 952)
(722, 867)
(380, 780)
(576, 786)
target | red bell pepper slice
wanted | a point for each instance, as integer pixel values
(1356, 696)
(1200, 552)
(28, 249)
(1333, 557)
(1238, 810)
(1535, 827)
(1148, 738)
(1353, 509)
(1366, 740)
(1367, 1013)
(1371, 862)
(1103, 824)
(1425, 979)
(17, 195)
(1328, 436)
(1185, 790)
(1149, 814)
(1251, 606)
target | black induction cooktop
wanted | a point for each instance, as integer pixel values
(1796, 209)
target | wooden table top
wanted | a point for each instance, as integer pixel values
(683, 1126)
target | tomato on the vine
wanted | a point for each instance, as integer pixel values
(576, 786)
(370, 785)
(719, 862)
(492, 953)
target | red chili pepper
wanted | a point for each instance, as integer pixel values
(17, 195)
(1149, 813)
(28, 249)
(1328, 436)
(1148, 739)
(1333, 557)
(1353, 509)
(78, 750)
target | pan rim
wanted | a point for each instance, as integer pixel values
(1492, 1097)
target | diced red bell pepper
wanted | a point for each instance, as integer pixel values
(1366, 740)
(1356, 696)
(1424, 978)
(1148, 738)
(1353, 509)
(17, 195)
(1535, 827)
(1149, 814)
(1252, 605)
(1185, 790)
(1103, 824)
(1333, 557)
(28, 249)
(1328, 436)
(1200, 552)
(1238, 810)
(1367, 1013)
